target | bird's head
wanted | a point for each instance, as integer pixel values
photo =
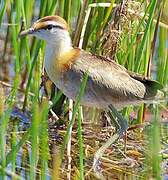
(49, 28)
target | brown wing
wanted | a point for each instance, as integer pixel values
(108, 82)
(108, 78)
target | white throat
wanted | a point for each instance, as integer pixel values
(57, 44)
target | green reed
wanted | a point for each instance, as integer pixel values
(134, 51)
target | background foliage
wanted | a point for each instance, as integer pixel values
(133, 33)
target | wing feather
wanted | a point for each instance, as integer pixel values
(108, 77)
(108, 82)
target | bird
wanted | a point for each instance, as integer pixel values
(109, 85)
(108, 82)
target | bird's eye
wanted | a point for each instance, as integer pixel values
(50, 26)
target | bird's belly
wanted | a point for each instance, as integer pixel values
(71, 90)
(91, 97)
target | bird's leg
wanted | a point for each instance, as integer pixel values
(121, 125)
(119, 121)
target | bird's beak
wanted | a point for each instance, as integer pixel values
(26, 32)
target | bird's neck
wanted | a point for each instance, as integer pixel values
(58, 45)
(59, 55)
(55, 47)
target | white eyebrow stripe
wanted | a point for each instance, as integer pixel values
(44, 25)
(56, 24)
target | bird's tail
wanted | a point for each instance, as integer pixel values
(153, 88)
